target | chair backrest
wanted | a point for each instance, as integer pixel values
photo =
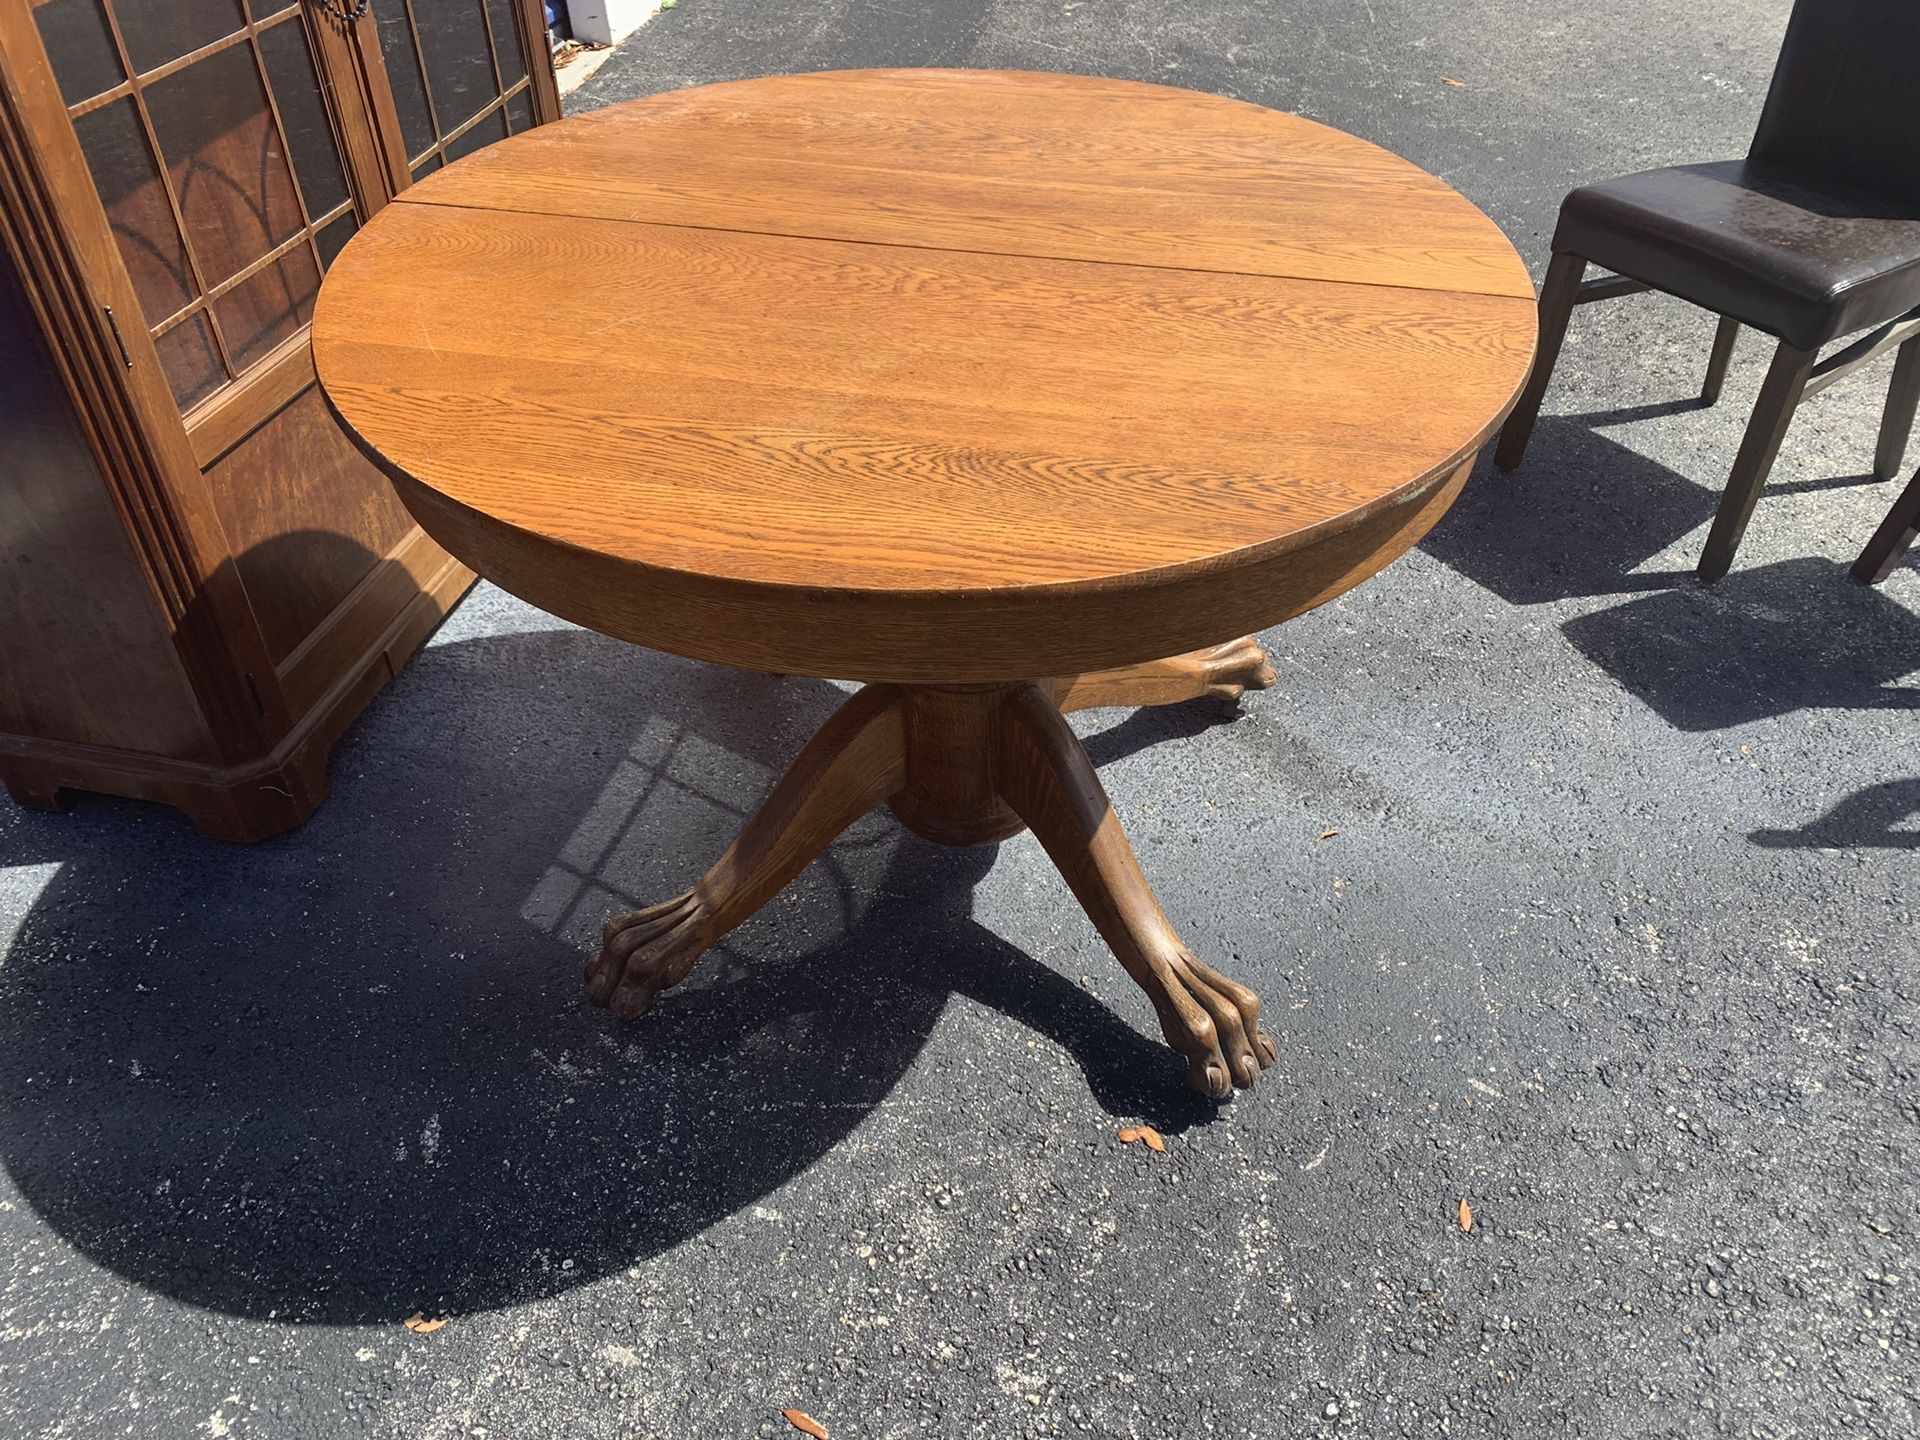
(1845, 100)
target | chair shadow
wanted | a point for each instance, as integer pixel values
(1832, 482)
(1577, 519)
(1628, 414)
(1866, 819)
(349, 1073)
(1762, 642)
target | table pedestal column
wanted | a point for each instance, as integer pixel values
(967, 765)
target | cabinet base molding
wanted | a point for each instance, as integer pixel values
(260, 798)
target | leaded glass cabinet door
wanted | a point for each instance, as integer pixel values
(212, 147)
(177, 176)
(231, 174)
(235, 146)
(460, 75)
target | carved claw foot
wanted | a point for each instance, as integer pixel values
(1224, 672)
(646, 951)
(856, 761)
(1228, 671)
(1050, 783)
(984, 760)
(1213, 1021)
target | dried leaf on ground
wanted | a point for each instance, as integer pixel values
(1466, 1214)
(1326, 834)
(1456, 84)
(1128, 1134)
(420, 1325)
(805, 1423)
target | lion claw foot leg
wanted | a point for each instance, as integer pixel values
(1047, 778)
(1221, 672)
(647, 951)
(1232, 669)
(855, 761)
(1214, 1022)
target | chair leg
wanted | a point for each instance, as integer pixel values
(1772, 413)
(1557, 298)
(1723, 339)
(1896, 421)
(1892, 539)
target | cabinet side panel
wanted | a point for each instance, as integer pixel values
(85, 655)
(307, 518)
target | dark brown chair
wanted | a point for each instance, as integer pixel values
(1894, 537)
(1814, 236)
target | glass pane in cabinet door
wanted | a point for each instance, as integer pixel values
(80, 47)
(191, 363)
(506, 40)
(458, 70)
(296, 90)
(333, 238)
(224, 155)
(520, 112)
(268, 307)
(136, 203)
(403, 73)
(453, 42)
(215, 157)
(493, 128)
(157, 31)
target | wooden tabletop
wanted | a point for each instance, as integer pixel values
(925, 374)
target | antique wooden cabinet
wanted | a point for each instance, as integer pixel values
(201, 580)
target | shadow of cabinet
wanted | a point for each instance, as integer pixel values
(201, 580)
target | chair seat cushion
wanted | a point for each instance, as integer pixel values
(1752, 241)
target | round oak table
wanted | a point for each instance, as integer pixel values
(992, 390)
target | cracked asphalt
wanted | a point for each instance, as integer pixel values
(1614, 937)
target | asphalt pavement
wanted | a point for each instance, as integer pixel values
(1574, 890)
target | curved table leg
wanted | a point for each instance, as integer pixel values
(1222, 671)
(855, 762)
(1046, 777)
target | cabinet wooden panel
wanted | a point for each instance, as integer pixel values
(204, 580)
(84, 653)
(308, 518)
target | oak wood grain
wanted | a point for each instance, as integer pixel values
(911, 419)
(307, 518)
(979, 435)
(951, 793)
(1060, 166)
(84, 651)
(943, 379)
